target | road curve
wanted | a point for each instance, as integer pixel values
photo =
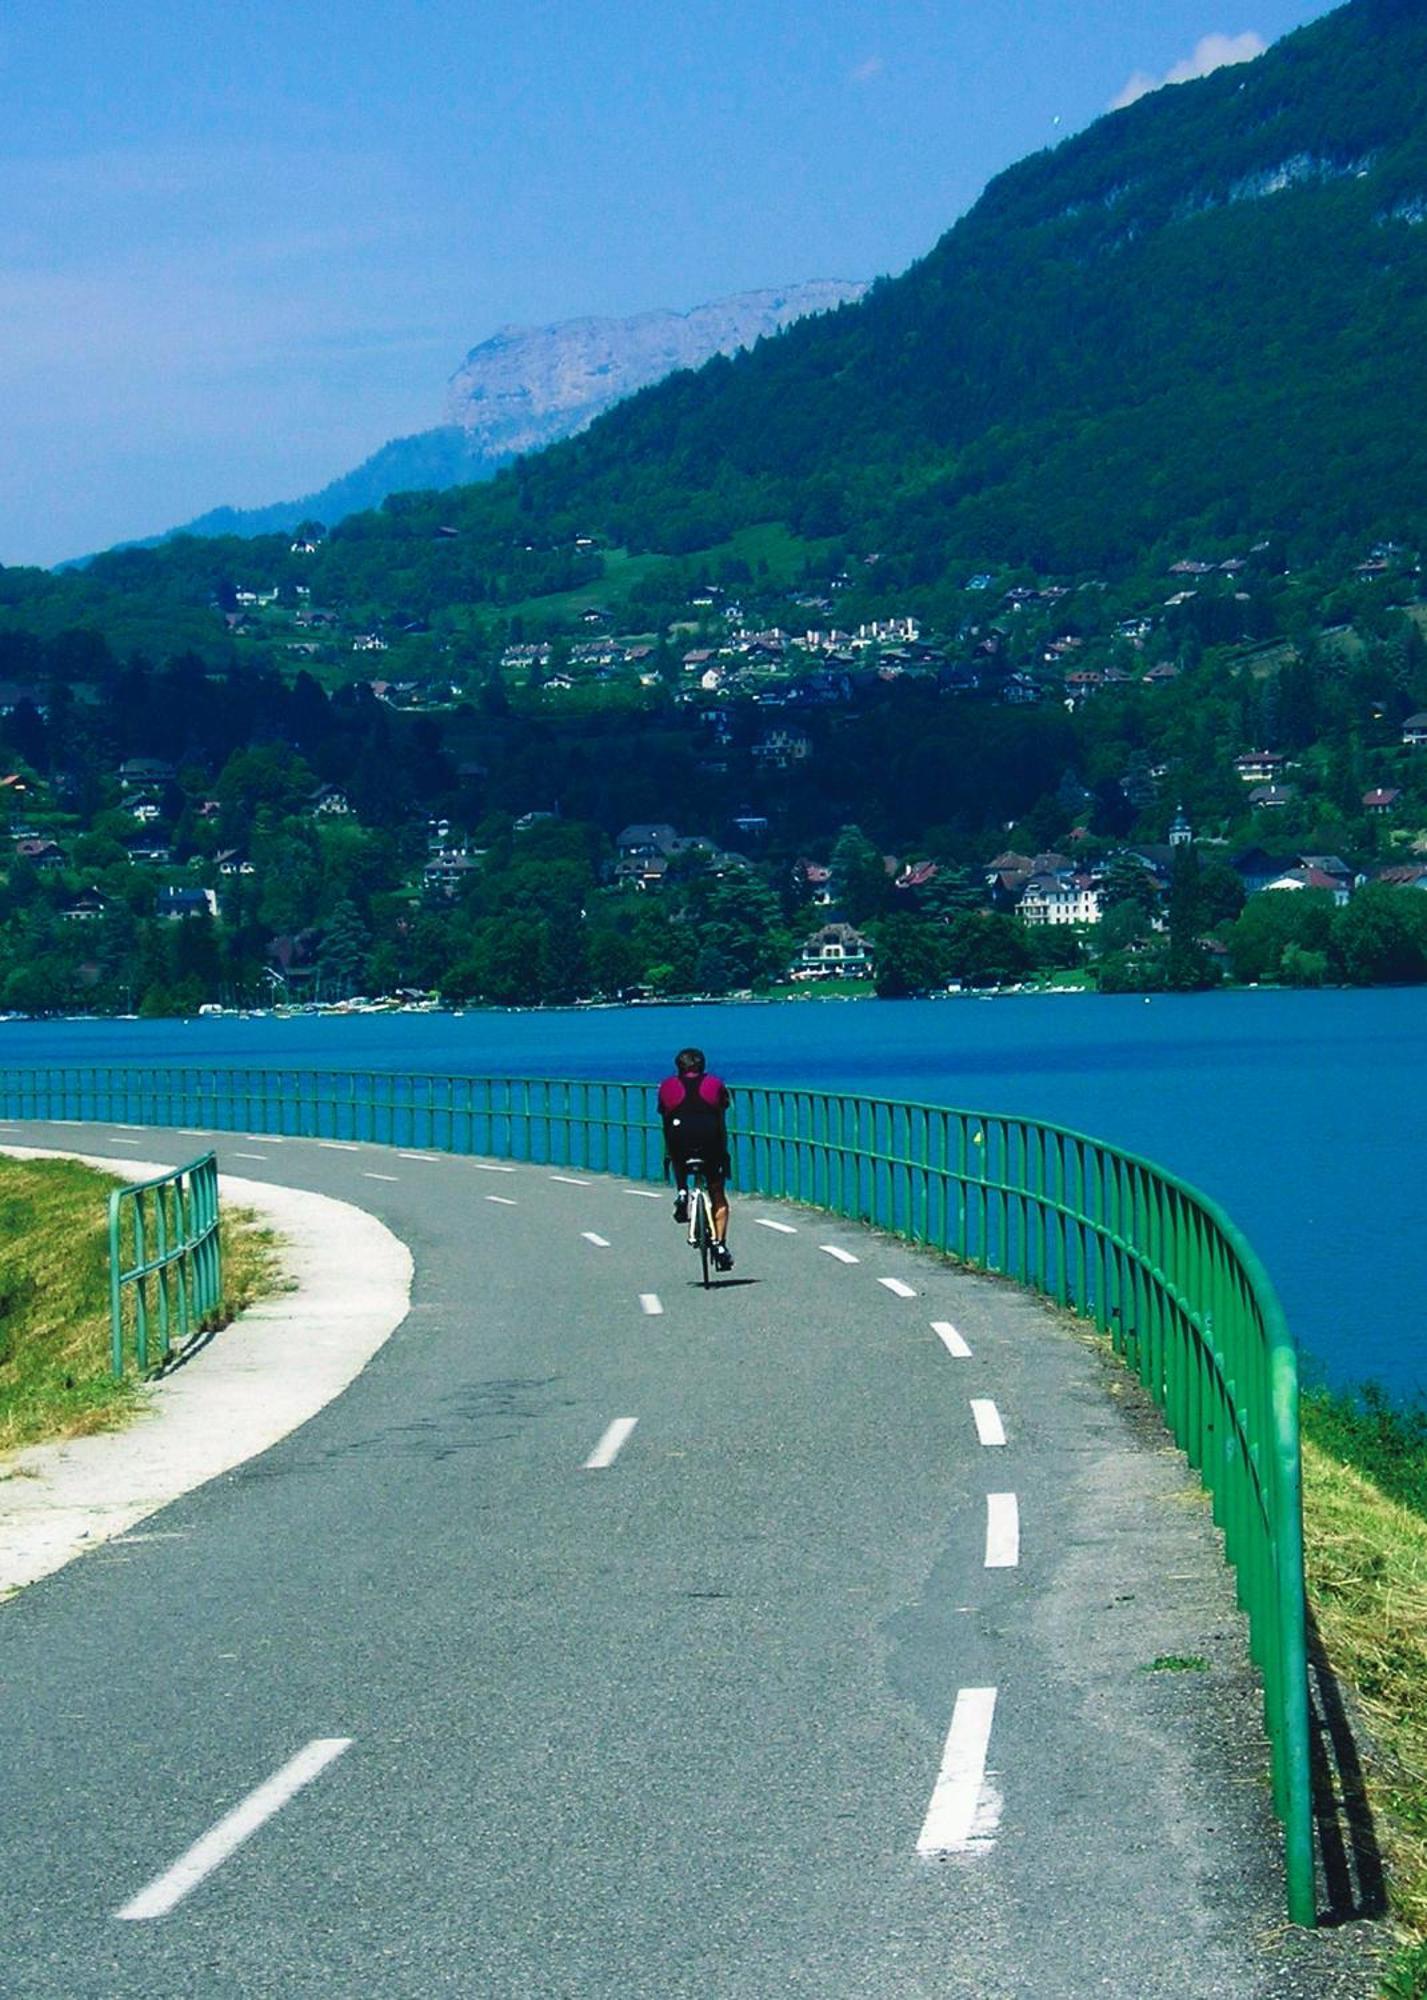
(608, 1636)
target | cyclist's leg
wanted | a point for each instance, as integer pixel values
(718, 1201)
(680, 1171)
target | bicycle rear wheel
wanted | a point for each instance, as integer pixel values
(703, 1232)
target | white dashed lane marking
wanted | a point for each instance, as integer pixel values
(339, 1145)
(1003, 1531)
(502, 1201)
(232, 1830)
(897, 1287)
(570, 1180)
(418, 1156)
(989, 1427)
(950, 1339)
(367, 1175)
(842, 1256)
(650, 1302)
(607, 1450)
(250, 1156)
(490, 1167)
(783, 1228)
(964, 1813)
(600, 1242)
(644, 1194)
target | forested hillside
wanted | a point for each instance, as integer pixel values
(1054, 612)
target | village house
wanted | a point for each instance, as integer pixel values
(1310, 878)
(817, 877)
(1414, 730)
(448, 870)
(151, 849)
(39, 852)
(142, 773)
(780, 748)
(329, 802)
(1272, 798)
(836, 951)
(1382, 801)
(1259, 767)
(84, 908)
(176, 904)
(1063, 897)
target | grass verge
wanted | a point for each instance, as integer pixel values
(54, 1299)
(1365, 1522)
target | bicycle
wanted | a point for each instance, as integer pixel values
(701, 1227)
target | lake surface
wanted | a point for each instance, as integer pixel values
(1302, 1113)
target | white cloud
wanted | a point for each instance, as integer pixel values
(1211, 52)
(865, 72)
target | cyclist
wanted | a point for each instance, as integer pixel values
(693, 1105)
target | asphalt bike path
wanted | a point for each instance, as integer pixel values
(794, 1637)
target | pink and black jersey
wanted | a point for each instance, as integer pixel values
(692, 1108)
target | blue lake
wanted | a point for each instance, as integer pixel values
(1300, 1112)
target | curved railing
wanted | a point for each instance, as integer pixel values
(1156, 1265)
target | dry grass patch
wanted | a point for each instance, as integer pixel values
(1367, 1578)
(54, 1299)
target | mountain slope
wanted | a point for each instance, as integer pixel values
(1200, 317)
(1198, 323)
(528, 386)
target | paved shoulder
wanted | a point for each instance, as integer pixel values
(347, 1284)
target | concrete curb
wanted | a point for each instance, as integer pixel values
(276, 1366)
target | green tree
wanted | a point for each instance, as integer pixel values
(346, 946)
(910, 955)
(1380, 939)
(859, 876)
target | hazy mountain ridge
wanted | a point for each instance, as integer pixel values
(526, 387)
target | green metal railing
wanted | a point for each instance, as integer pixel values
(165, 1262)
(1155, 1264)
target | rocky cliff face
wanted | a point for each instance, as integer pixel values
(527, 386)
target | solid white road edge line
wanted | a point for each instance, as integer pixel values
(900, 1289)
(232, 1830)
(600, 1242)
(950, 1339)
(964, 1812)
(651, 1303)
(989, 1427)
(783, 1228)
(1003, 1531)
(571, 1180)
(607, 1450)
(842, 1256)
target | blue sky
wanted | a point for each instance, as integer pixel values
(241, 246)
